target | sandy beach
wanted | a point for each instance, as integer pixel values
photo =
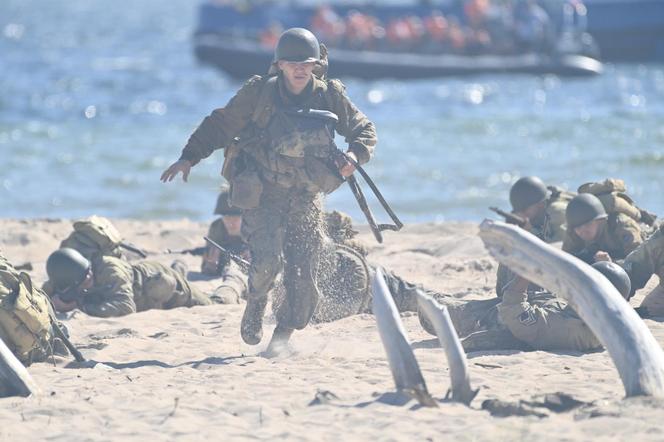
(185, 374)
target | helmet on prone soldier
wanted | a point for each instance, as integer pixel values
(617, 275)
(67, 268)
(526, 192)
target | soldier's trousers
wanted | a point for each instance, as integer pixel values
(233, 286)
(285, 233)
(166, 288)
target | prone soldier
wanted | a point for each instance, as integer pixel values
(108, 286)
(542, 210)
(591, 230)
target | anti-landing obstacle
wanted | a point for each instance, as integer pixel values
(14, 378)
(632, 347)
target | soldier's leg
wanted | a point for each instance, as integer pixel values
(302, 248)
(263, 229)
(212, 255)
(653, 304)
(233, 287)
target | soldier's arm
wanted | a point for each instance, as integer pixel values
(220, 127)
(628, 233)
(646, 260)
(113, 294)
(358, 130)
(572, 244)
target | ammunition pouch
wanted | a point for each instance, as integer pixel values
(246, 189)
(25, 315)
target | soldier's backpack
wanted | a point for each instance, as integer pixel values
(97, 236)
(611, 192)
(26, 324)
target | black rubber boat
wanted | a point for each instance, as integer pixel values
(242, 58)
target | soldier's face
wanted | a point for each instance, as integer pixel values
(297, 75)
(589, 231)
(233, 224)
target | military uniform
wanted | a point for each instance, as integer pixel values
(641, 264)
(233, 286)
(121, 288)
(286, 221)
(26, 318)
(551, 230)
(618, 237)
(543, 321)
(556, 204)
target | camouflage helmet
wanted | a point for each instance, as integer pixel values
(339, 226)
(223, 206)
(617, 275)
(66, 268)
(527, 191)
(297, 45)
(582, 209)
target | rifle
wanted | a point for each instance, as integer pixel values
(510, 218)
(364, 206)
(243, 263)
(196, 251)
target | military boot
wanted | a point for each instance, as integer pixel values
(279, 341)
(251, 327)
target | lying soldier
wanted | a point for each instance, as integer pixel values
(108, 286)
(525, 318)
(645, 261)
(543, 210)
(548, 323)
(27, 321)
(602, 218)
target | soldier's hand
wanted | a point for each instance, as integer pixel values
(346, 168)
(180, 166)
(62, 306)
(602, 256)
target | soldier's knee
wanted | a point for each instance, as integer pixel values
(160, 287)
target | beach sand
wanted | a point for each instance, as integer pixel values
(185, 374)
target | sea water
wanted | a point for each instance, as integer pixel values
(97, 98)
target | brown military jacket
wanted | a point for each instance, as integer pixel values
(543, 321)
(618, 237)
(121, 288)
(220, 128)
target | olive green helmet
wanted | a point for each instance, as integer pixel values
(66, 268)
(297, 45)
(223, 206)
(582, 209)
(617, 275)
(527, 191)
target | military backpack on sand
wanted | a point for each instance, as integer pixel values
(95, 237)
(611, 192)
(26, 324)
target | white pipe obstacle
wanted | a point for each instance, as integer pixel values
(14, 378)
(632, 347)
(449, 340)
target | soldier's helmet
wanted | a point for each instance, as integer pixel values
(339, 226)
(66, 268)
(223, 206)
(527, 191)
(617, 275)
(297, 45)
(582, 209)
